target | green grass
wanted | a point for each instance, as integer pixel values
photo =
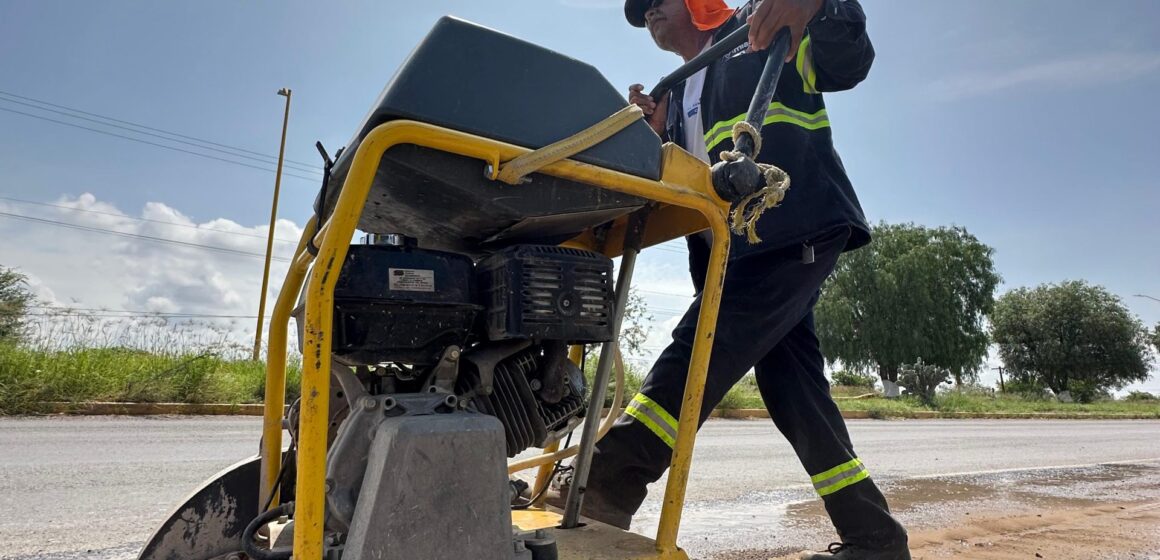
(964, 402)
(883, 408)
(745, 395)
(30, 376)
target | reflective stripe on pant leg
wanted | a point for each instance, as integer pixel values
(839, 477)
(654, 417)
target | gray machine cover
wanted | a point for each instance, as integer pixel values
(435, 487)
(476, 80)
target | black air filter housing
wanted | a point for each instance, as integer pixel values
(544, 292)
(402, 304)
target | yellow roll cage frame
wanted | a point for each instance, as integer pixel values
(687, 203)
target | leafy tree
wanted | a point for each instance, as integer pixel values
(915, 293)
(14, 301)
(922, 380)
(1024, 385)
(1071, 337)
(1156, 337)
(634, 329)
(1140, 396)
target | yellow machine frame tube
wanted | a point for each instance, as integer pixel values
(674, 500)
(334, 238)
(275, 392)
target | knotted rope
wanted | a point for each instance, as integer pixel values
(743, 218)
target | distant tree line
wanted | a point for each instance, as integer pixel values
(920, 303)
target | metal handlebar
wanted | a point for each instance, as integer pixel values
(717, 50)
(763, 93)
(736, 179)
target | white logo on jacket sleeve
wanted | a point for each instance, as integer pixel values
(740, 50)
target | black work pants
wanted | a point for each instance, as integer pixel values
(766, 322)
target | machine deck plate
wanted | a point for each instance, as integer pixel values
(593, 540)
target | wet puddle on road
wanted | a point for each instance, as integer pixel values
(770, 524)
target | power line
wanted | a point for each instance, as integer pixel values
(130, 138)
(48, 310)
(272, 158)
(140, 236)
(657, 310)
(672, 294)
(666, 249)
(137, 316)
(162, 222)
(219, 150)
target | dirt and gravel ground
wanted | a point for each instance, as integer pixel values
(1096, 512)
(95, 487)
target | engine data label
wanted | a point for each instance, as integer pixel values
(411, 280)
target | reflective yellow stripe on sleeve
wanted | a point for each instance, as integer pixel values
(777, 113)
(648, 412)
(839, 477)
(805, 66)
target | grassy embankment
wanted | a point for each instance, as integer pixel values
(745, 395)
(30, 376)
(70, 357)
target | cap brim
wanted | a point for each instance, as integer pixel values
(634, 11)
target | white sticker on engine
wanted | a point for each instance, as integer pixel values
(411, 280)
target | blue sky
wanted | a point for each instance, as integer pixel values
(1031, 123)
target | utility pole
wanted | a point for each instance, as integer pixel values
(285, 92)
(1002, 388)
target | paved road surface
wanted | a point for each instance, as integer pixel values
(95, 487)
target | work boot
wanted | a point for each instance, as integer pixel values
(848, 551)
(594, 507)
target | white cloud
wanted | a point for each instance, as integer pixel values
(1103, 69)
(44, 294)
(93, 270)
(90, 270)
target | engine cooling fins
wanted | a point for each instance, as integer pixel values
(528, 420)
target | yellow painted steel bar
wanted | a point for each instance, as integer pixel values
(310, 489)
(544, 476)
(275, 397)
(338, 230)
(576, 355)
(674, 499)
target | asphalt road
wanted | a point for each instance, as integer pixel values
(95, 487)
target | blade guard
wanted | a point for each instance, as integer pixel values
(209, 523)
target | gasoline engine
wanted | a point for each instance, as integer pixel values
(445, 366)
(493, 334)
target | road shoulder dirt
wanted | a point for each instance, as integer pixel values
(1128, 530)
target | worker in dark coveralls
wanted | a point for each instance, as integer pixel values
(766, 320)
